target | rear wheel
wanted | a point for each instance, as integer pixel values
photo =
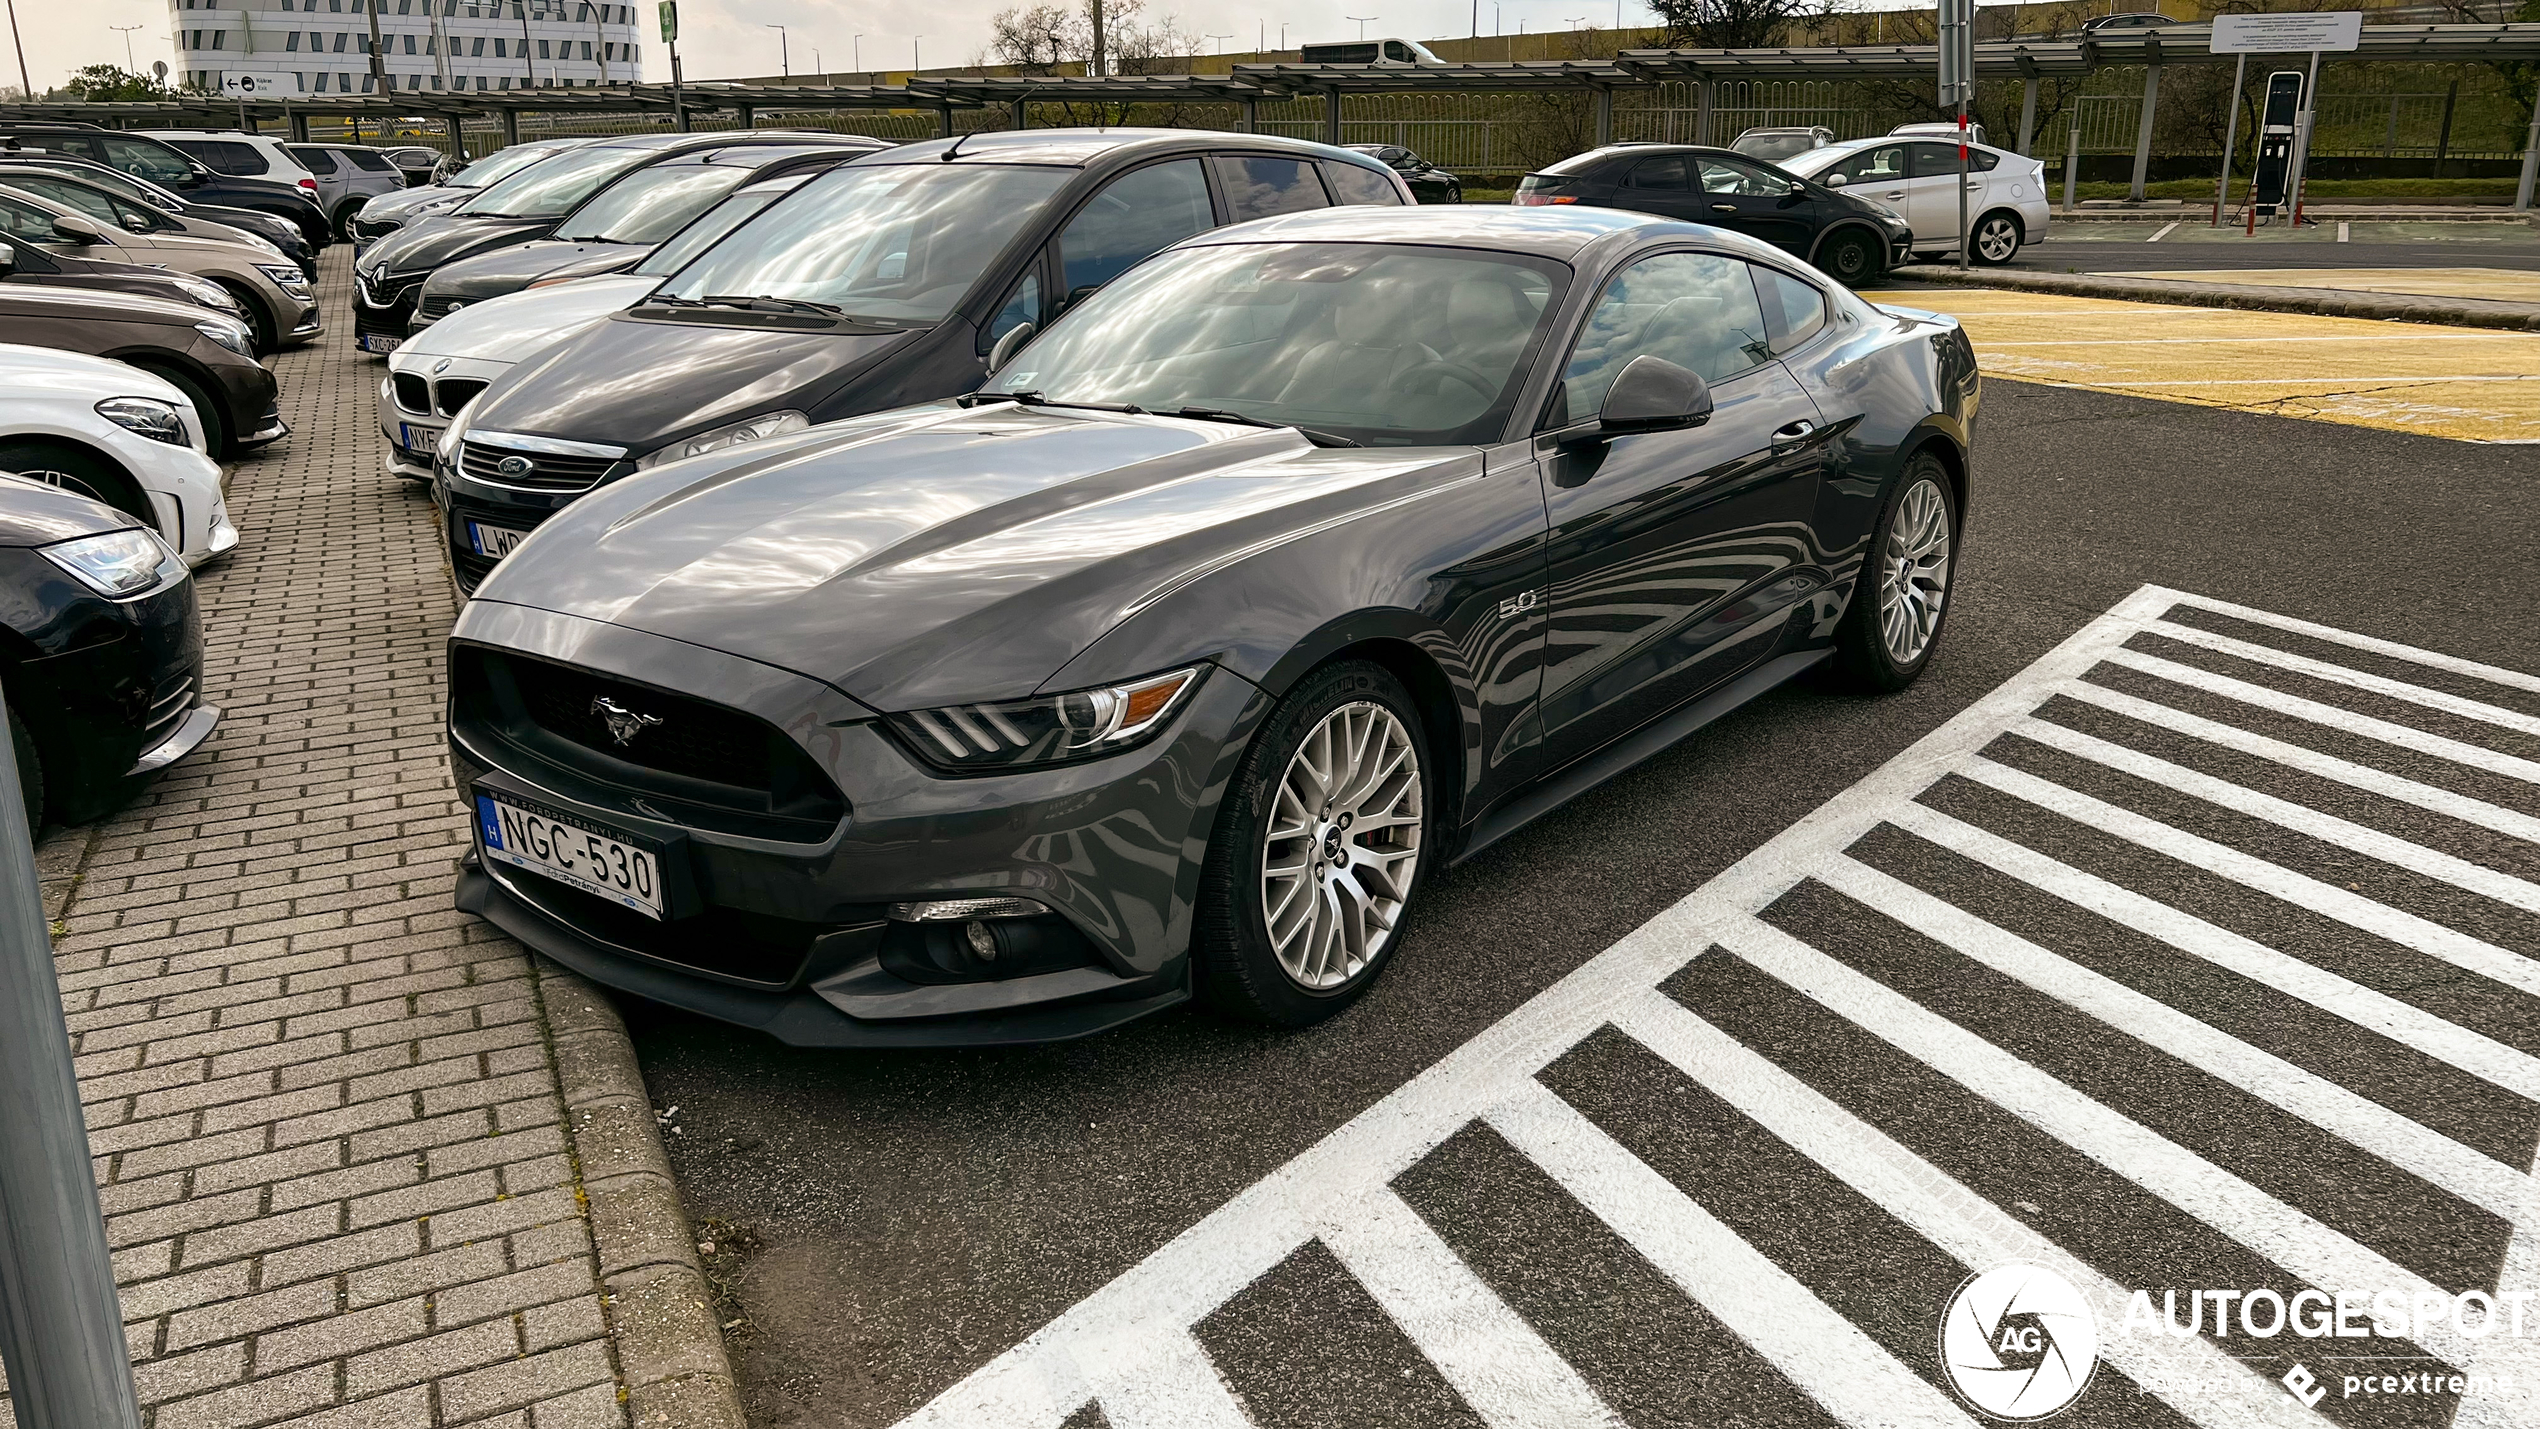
(79, 471)
(1997, 237)
(1320, 846)
(1901, 600)
(1850, 258)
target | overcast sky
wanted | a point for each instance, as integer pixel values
(726, 39)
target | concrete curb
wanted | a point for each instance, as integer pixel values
(2325, 302)
(2202, 214)
(670, 1352)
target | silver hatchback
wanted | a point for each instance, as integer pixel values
(348, 176)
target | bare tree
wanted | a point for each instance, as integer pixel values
(1735, 24)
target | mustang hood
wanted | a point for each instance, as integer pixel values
(930, 555)
(422, 247)
(508, 270)
(689, 379)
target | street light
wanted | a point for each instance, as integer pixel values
(784, 54)
(1221, 49)
(128, 61)
(859, 54)
(913, 65)
(1362, 22)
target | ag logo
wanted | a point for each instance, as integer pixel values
(2019, 1342)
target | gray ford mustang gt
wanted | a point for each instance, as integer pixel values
(1307, 556)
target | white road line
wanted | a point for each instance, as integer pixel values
(2302, 819)
(2264, 1225)
(1945, 1212)
(2422, 1152)
(2302, 891)
(2405, 1023)
(2477, 812)
(2339, 381)
(1825, 1355)
(2330, 634)
(1509, 1376)
(2312, 711)
(1165, 1382)
(2166, 230)
(2515, 1402)
(2355, 679)
(2375, 338)
(2344, 229)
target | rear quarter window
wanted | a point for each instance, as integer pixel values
(224, 156)
(315, 160)
(1351, 184)
(1259, 186)
(369, 162)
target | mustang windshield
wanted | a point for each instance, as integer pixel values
(897, 243)
(1387, 345)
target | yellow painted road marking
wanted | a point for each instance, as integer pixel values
(2512, 285)
(2463, 383)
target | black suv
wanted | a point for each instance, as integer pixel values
(884, 282)
(1851, 239)
(164, 165)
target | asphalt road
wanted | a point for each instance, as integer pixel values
(904, 1220)
(2114, 248)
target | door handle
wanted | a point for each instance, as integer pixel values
(1724, 208)
(1796, 433)
(1893, 193)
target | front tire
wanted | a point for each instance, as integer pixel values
(259, 322)
(81, 472)
(1900, 601)
(1997, 238)
(218, 440)
(1850, 258)
(1321, 844)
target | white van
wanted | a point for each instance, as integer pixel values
(1368, 52)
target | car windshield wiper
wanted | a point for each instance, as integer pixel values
(773, 304)
(1036, 399)
(1220, 414)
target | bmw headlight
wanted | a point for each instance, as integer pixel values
(755, 429)
(118, 563)
(1047, 729)
(287, 277)
(152, 418)
(229, 335)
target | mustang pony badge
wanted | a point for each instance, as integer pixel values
(623, 724)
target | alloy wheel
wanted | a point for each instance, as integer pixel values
(1914, 572)
(1997, 238)
(69, 482)
(1343, 847)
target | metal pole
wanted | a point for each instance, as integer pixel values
(2072, 153)
(1964, 242)
(1252, 116)
(2143, 131)
(379, 60)
(1331, 116)
(1702, 102)
(61, 1327)
(2231, 138)
(2530, 158)
(678, 91)
(2302, 136)
(1604, 115)
(26, 86)
(511, 127)
(2028, 115)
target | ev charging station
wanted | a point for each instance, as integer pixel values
(2271, 187)
(2292, 101)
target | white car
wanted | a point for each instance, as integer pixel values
(441, 369)
(232, 151)
(2007, 207)
(66, 415)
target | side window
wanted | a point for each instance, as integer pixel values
(1351, 184)
(1884, 164)
(1134, 217)
(369, 162)
(137, 156)
(223, 156)
(1398, 52)
(25, 220)
(1719, 176)
(1258, 186)
(1023, 307)
(1697, 310)
(1803, 308)
(1982, 160)
(1934, 160)
(313, 159)
(1667, 173)
(86, 200)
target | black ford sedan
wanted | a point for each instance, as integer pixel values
(1309, 556)
(883, 282)
(1851, 238)
(101, 669)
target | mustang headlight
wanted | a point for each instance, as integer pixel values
(149, 416)
(1048, 729)
(229, 335)
(759, 428)
(118, 563)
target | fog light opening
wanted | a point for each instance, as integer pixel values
(983, 943)
(990, 944)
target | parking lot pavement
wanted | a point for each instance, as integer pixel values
(897, 1223)
(330, 1139)
(2083, 246)
(2465, 383)
(2513, 285)
(2195, 953)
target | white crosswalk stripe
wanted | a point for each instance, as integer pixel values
(1135, 1349)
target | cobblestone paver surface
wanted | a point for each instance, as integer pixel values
(325, 1107)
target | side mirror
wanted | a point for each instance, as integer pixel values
(1834, 181)
(136, 223)
(1077, 295)
(8, 260)
(77, 228)
(1652, 394)
(1008, 345)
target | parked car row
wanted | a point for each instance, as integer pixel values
(993, 589)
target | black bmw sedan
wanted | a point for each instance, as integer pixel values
(1849, 237)
(883, 282)
(1309, 556)
(101, 669)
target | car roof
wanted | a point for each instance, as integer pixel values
(1545, 232)
(709, 141)
(1076, 148)
(756, 156)
(1638, 149)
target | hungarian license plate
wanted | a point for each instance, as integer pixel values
(493, 541)
(571, 852)
(375, 342)
(418, 441)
